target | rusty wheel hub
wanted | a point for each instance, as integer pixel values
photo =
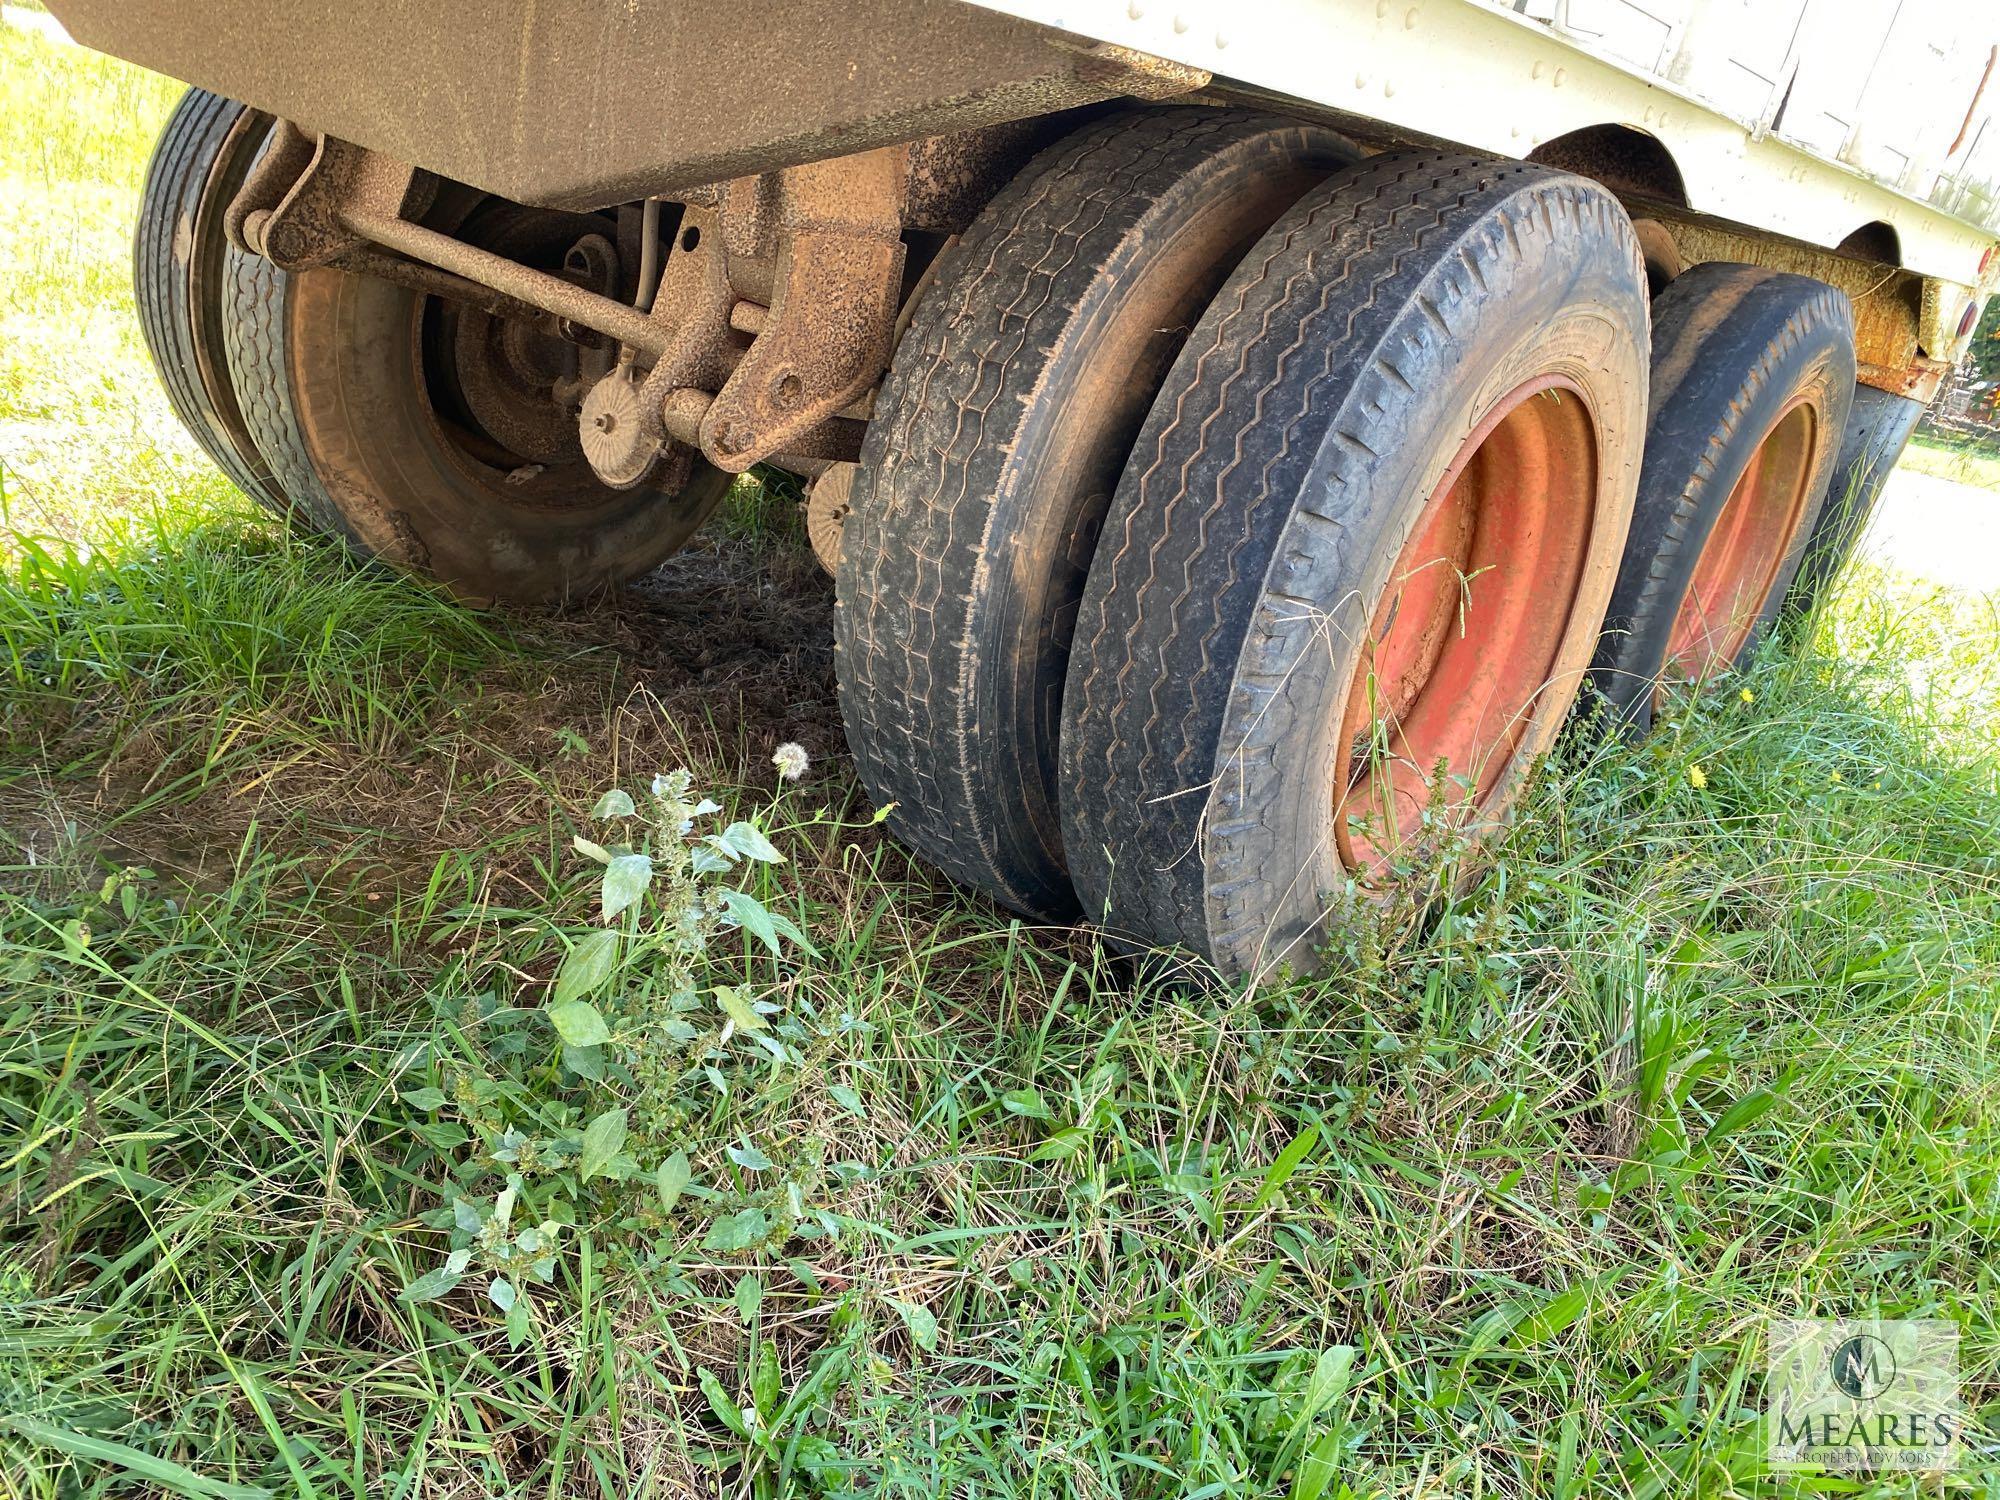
(1466, 633)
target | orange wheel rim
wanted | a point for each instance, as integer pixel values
(1739, 562)
(1468, 629)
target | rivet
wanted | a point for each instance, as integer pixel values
(1410, 21)
(1221, 40)
(1135, 10)
(1361, 80)
(1388, 89)
(1180, 25)
(1537, 70)
(1561, 75)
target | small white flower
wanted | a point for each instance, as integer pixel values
(791, 760)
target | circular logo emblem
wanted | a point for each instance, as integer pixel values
(1863, 1367)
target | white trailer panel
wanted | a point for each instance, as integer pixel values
(1807, 118)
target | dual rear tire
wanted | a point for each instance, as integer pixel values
(996, 444)
(1354, 557)
(1300, 633)
(418, 433)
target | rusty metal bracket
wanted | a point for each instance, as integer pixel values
(775, 313)
(340, 187)
(287, 154)
(694, 354)
(1899, 316)
(835, 229)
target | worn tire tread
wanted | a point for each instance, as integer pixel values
(177, 176)
(1169, 682)
(909, 635)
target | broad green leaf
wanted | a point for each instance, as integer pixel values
(703, 860)
(578, 1023)
(1552, 1317)
(738, 1009)
(1746, 1111)
(847, 1099)
(726, 1411)
(589, 850)
(1328, 1381)
(747, 912)
(767, 1381)
(749, 1296)
(426, 1098)
(501, 1290)
(431, 1285)
(1318, 1469)
(603, 1138)
(749, 1158)
(1061, 1146)
(625, 881)
(672, 1176)
(1280, 1171)
(1026, 1102)
(518, 1324)
(921, 1322)
(738, 1231)
(585, 1062)
(748, 840)
(587, 965)
(1491, 1328)
(614, 804)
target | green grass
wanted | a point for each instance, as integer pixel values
(1960, 460)
(1498, 1209)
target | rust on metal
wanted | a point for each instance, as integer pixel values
(1139, 75)
(774, 314)
(1739, 562)
(953, 176)
(833, 231)
(541, 289)
(421, 277)
(287, 154)
(1468, 628)
(313, 222)
(828, 500)
(1899, 316)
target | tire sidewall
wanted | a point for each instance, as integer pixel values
(1688, 478)
(1030, 599)
(1558, 313)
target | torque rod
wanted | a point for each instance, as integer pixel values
(524, 283)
